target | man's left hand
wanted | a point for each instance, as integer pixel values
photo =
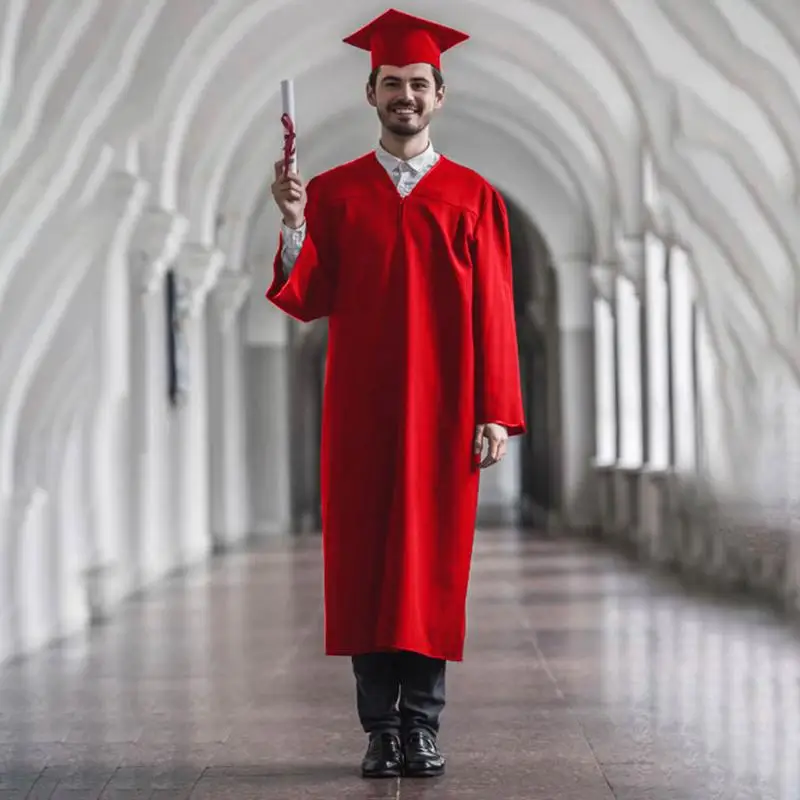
(497, 437)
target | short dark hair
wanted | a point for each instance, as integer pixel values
(438, 79)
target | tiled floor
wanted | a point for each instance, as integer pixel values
(584, 680)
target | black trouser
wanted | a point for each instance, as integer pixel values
(399, 692)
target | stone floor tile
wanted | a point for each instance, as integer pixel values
(583, 679)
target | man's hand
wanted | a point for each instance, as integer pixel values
(290, 196)
(497, 437)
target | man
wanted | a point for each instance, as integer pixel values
(407, 254)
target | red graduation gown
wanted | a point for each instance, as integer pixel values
(421, 347)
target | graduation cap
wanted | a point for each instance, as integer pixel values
(397, 39)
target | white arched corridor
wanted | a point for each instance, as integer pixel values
(156, 410)
(651, 149)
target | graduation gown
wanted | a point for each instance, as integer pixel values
(422, 347)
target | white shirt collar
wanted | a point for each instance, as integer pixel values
(417, 164)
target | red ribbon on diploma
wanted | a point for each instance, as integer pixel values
(289, 138)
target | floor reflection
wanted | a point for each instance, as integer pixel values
(584, 679)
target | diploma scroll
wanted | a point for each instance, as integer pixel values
(289, 129)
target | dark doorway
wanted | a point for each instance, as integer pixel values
(536, 305)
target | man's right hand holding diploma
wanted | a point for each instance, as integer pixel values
(290, 195)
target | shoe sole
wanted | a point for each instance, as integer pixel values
(389, 773)
(433, 772)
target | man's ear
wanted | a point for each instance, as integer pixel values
(440, 96)
(371, 99)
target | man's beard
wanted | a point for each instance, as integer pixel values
(403, 127)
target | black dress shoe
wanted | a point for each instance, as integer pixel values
(422, 756)
(384, 757)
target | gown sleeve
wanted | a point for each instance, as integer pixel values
(498, 393)
(307, 293)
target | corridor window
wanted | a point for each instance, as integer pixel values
(657, 352)
(630, 374)
(711, 412)
(681, 329)
(605, 383)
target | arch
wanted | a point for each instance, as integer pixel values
(616, 33)
(510, 168)
(660, 124)
(494, 157)
(168, 62)
(712, 218)
(776, 279)
(24, 242)
(245, 185)
(579, 52)
(66, 366)
(314, 39)
(500, 74)
(725, 297)
(12, 16)
(769, 221)
(565, 21)
(61, 169)
(561, 101)
(675, 59)
(709, 33)
(117, 206)
(168, 138)
(680, 217)
(785, 17)
(54, 158)
(40, 506)
(53, 39)
(767, 39)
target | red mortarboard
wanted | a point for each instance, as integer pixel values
(397, 39)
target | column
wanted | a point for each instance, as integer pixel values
(657, 354)
(197, 269)
(605, 354)
(155, 245)
(657, 530)
(271, 455)
(577, 371)
(109, 574)
(605, 392)
(8, 625)
(681, 321)
(230, 496)
(631, 344)
(275, 444)
(629, 329)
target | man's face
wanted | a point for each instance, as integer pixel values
(405, 98)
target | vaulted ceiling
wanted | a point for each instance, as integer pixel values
(599, 119)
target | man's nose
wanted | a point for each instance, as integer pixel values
(406, 92)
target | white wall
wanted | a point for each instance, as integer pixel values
(139, 137)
